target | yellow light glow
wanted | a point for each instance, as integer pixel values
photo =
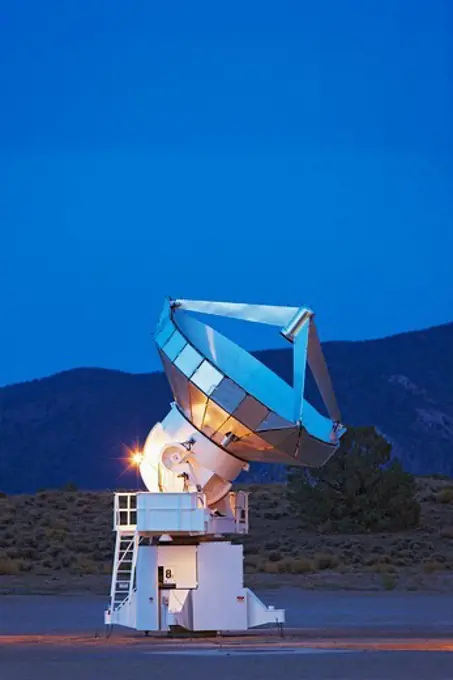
(136, 457)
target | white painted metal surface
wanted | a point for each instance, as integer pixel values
(199, 587)
(220, 603)
(171, 513)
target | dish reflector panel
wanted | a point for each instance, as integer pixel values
(234, 399)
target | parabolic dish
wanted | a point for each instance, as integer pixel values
(236, 401)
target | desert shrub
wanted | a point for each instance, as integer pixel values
(302, 565)
(65, 560)
(49, 562)
(439, 557)
(10, 566)
(430, 566)
(383, 568)
(270, 567)
(325, 561)
(26, 552)
(272, 545)
(251, 549)
(69, 486)
(84, 566)
(291, 565)
(446, 532)
(403, 558)
(388, 581)
(359, 489)
(285, 566)
(445, 495)
(275, 556)
(252, 563)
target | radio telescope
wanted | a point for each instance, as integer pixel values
(230, 410)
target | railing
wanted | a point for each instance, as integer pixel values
(239, 501)
(235, 521)
(125, 513)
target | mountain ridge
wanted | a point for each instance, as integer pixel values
(75, 424)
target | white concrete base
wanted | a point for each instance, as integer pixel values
(198, 587)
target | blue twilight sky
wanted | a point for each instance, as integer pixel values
(280, 152)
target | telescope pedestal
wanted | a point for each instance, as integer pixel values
(186, 575)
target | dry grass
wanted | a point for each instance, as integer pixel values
(56, 531)
(68, 532)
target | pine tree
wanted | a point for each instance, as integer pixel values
(359, 489)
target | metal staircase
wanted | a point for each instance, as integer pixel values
(123, 581)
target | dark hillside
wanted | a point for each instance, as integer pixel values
(73, 426)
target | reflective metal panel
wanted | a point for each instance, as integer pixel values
(166, 331)
(198, 402)
(312, 452)
(277, 438)
(179, 385)
(206, 377)
(214, 418)
(274, 422)
(255, 456)
(242, 367)
(228, 394)
(251, 412)
(174, 345)
(188, 360)
(289, 446)
(253, 441)
(230, 425)
(248, 452)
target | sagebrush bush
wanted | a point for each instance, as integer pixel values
(388, 581)
(270, 567)
(325, 561)
(445, 495)
(10, 566)
(431, 566)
